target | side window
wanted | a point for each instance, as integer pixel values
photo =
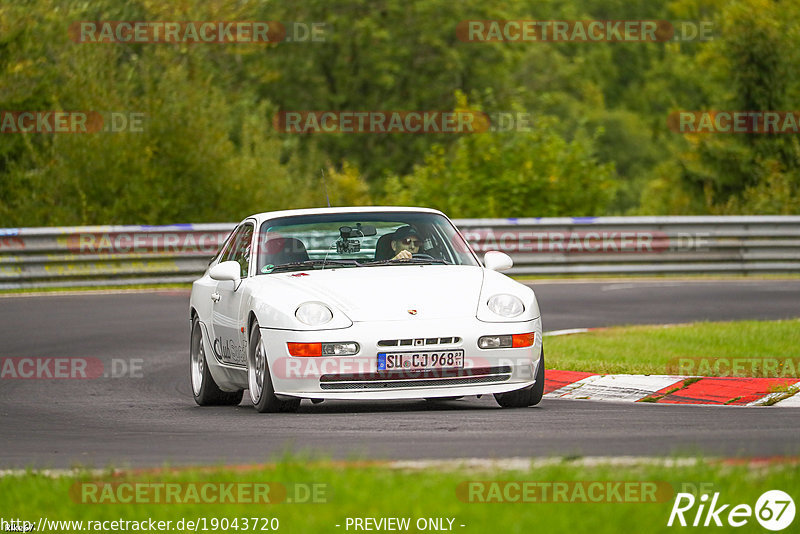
(225, 247)
(230, 246)
(241, 251)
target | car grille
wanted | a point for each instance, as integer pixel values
(419, 342)
(408, 379)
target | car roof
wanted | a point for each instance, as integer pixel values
(260, 217)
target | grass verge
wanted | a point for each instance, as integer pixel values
(739, 348)
(89, 289)
(376, 491)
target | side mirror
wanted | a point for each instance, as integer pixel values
(227, 270)
(497, 261)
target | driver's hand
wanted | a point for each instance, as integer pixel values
(403, 255)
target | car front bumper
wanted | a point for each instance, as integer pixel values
(486, 371)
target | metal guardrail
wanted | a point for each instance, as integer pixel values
(123, 255)
(105, 255)
(642, 245)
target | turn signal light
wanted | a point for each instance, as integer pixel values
(523, 340)
(315, 350)
(305, 350)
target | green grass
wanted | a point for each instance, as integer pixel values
(377, 491)
(658, 349)
(110, 287)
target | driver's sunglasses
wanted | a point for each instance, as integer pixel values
(412, 242)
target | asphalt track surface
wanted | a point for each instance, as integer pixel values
(151, 419)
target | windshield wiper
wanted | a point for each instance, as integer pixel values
(310, 264)
(410, 261)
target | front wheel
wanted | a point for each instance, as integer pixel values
(525, 397)
(259, 380)
(206, 392)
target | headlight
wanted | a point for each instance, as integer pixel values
(494, 342)
(339, 349)
(506, 305)
(313, 313)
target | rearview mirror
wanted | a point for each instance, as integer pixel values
(227, 270)
(366, 230)
(359, 230)
(495, 260)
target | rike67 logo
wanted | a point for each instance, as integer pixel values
(774, 510)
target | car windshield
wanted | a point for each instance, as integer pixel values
(373, 239)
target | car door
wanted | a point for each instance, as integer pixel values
(229, 343)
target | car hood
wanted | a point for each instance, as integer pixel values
(385, 293)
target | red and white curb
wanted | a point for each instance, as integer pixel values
(670, 389)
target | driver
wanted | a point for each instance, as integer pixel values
(405, 242)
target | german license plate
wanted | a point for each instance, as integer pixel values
(417, 361)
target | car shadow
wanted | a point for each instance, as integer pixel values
(411, 405)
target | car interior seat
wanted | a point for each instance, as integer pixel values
(283, 250)
(383, 248)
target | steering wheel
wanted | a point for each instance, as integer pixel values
(420, 256)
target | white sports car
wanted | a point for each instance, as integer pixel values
(361, 304)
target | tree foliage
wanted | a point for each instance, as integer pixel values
(209, 152)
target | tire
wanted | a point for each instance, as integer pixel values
(524, 397)
(205, 390)
(260, 382)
